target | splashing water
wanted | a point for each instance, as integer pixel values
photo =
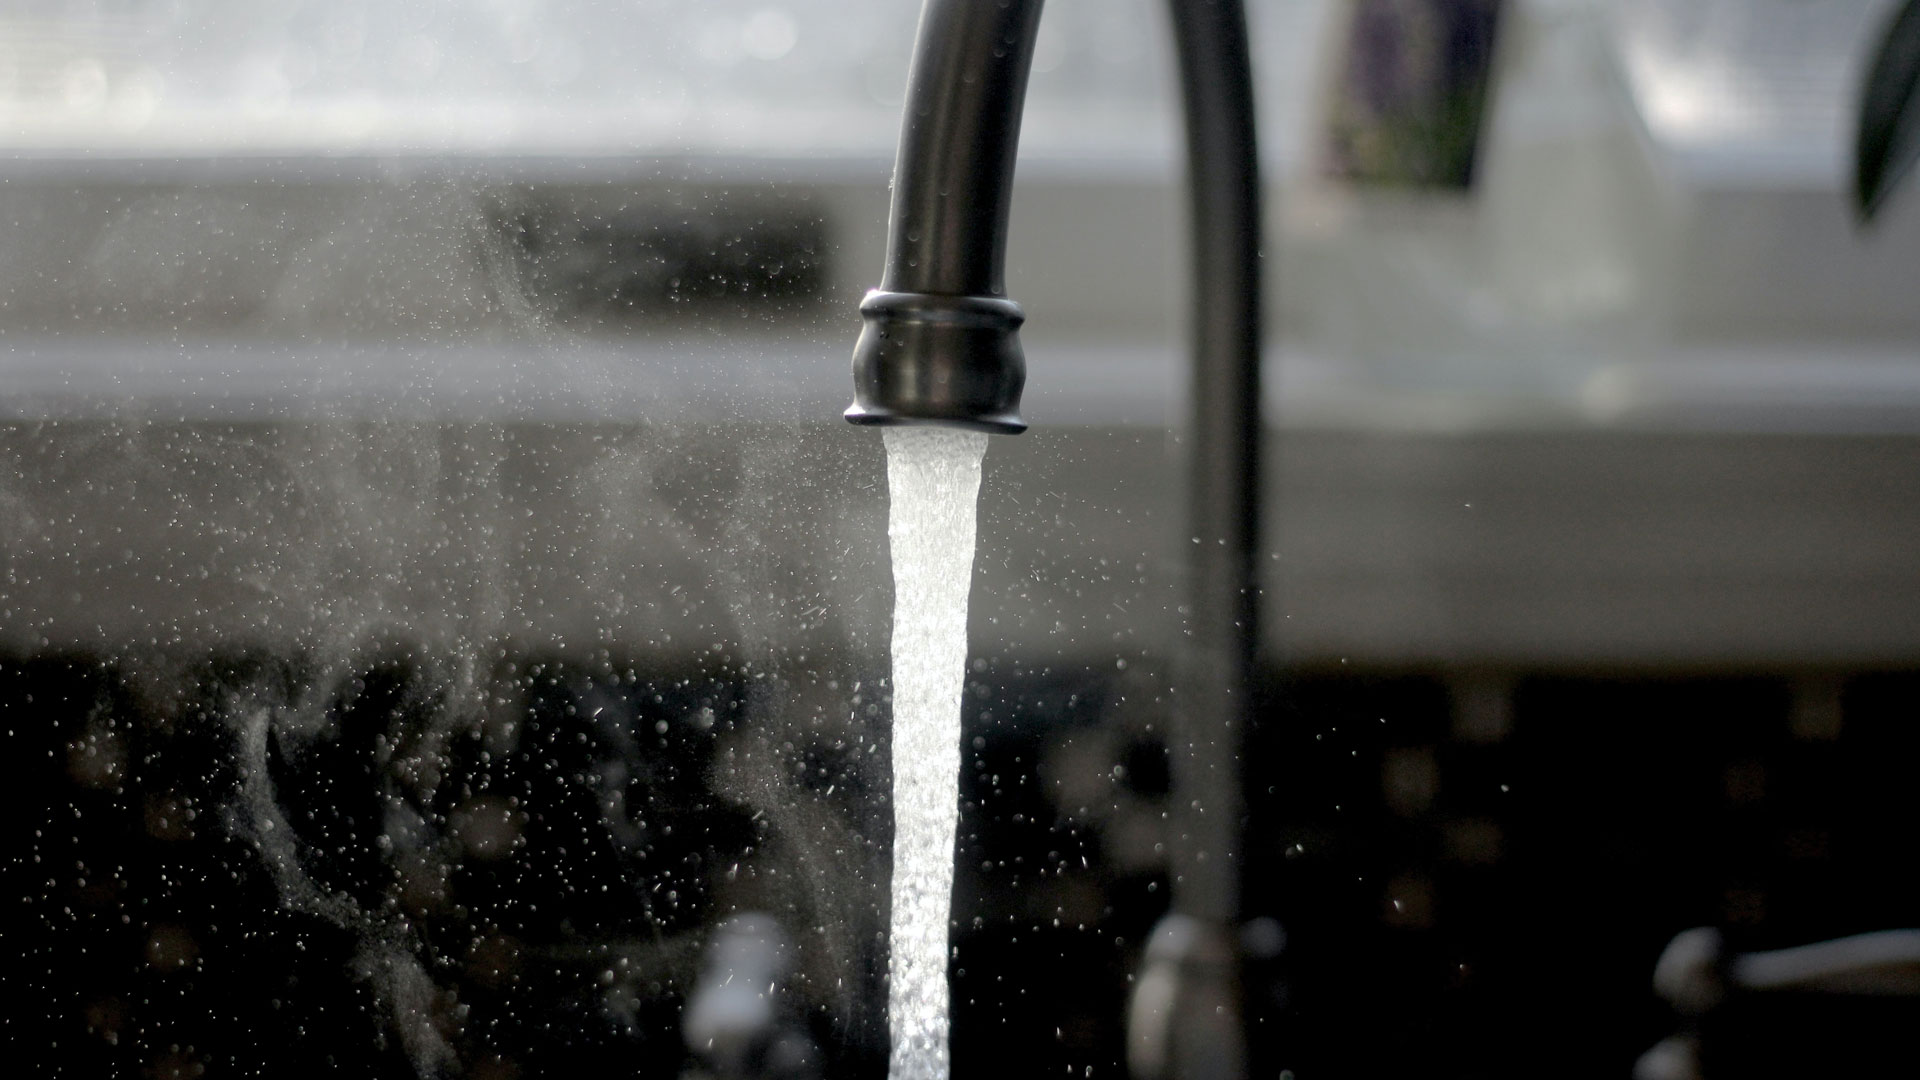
(933, 475)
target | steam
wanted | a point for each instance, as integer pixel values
(352, 530)
(388, 960)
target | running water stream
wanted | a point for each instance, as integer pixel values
(933, 477)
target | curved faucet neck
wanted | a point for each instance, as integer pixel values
(959, 136)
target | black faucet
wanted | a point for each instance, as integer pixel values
(941, 346)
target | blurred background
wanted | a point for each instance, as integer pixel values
(437, 589)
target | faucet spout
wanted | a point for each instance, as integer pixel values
(941, 341)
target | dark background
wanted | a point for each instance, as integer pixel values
(1467, 873)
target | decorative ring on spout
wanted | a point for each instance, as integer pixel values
(951, 360)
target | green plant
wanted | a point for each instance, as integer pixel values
(1888, 139)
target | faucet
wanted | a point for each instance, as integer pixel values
(940, 345)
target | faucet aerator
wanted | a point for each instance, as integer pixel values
(925, 358)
